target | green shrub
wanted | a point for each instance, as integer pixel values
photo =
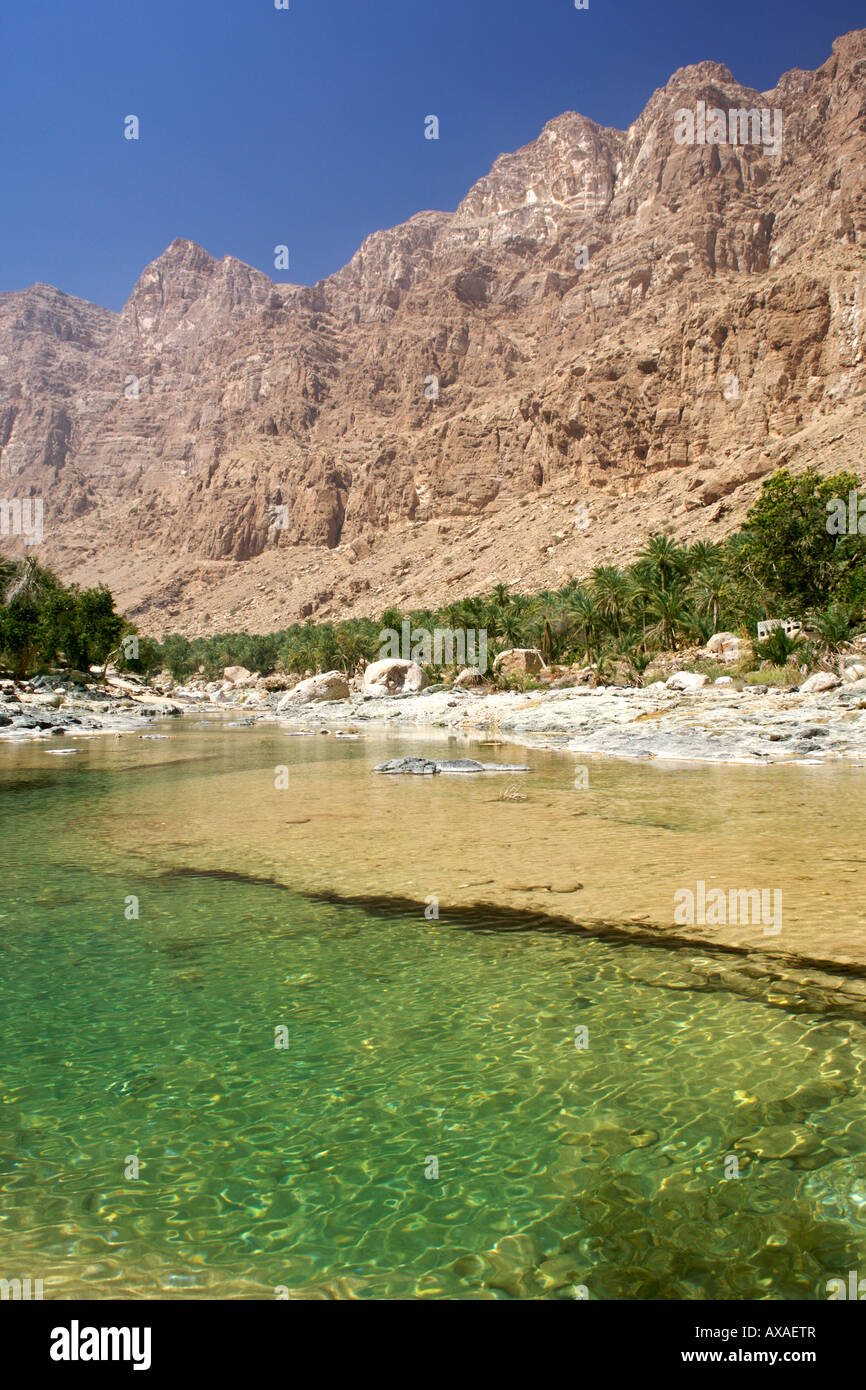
(774, 675)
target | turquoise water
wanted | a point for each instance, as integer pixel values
(310, 1167)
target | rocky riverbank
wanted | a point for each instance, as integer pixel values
(50, 708)
(715, 723)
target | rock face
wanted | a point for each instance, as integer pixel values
(392, 676)
(613, 332)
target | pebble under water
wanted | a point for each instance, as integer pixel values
(338, 1100)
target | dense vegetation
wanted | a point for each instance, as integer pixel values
(43, 622)
(784, 562)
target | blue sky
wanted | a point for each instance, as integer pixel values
(305, 127)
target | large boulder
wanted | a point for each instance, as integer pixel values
(726, 646)
(564, 677)
(853, 671)
(237, 675)
(330, 685)
(276, 682)
(394, 676)
(821, 681)
(686, 681)
(520, 661)
(471, 676)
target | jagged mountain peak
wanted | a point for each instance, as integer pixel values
(610, 320)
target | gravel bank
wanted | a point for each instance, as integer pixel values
(717, 724)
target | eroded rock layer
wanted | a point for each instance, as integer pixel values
(613, 332)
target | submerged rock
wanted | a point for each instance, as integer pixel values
(429, 766)
(418, 766)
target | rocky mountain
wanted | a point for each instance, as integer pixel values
(615, 332)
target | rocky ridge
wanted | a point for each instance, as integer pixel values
(612, 333)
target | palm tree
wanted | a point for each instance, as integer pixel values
(356, 646)
(670, 610)
(452, 615)
(610, 589)
(778, 647)
(547, 642)
(634, 653)
(492, 619)
(512, 627)
(703, 554)
(833, 624)
(662, 558)
(587, 621)
(709, 589)
(30, 582)
(640, 589)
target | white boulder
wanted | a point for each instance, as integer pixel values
(687, 681)
(394, 676)
(821, 681)
(329, 685)
(724, 646)
(236, 674)
(471, 676)
(520, 661)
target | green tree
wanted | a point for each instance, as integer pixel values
(661, 561)
(670, 613)
(708, 590)
(611, 590)
(789, 545)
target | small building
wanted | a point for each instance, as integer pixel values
(791, 626)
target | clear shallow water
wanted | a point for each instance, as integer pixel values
(407, 1039)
